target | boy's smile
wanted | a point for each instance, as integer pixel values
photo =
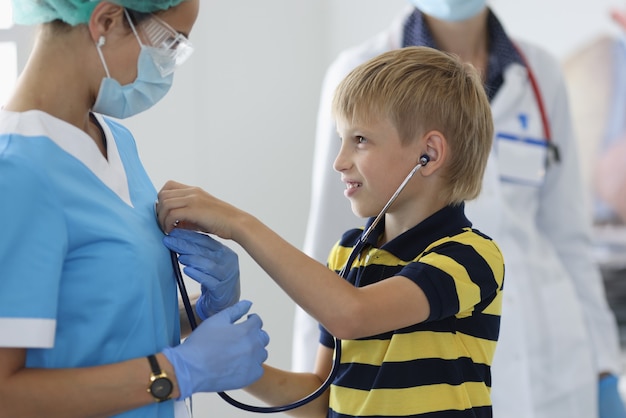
(351, 187)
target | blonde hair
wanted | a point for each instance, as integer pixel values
(420, 89)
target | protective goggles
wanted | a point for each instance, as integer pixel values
(169, 48)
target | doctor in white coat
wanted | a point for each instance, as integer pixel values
(558, 337)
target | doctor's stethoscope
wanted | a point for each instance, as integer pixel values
(356, 251)
(534, 85)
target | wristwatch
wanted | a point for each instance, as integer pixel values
(160, 385)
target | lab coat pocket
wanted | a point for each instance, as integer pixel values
(521, 160)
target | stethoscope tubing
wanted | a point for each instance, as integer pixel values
(252, 408)
(547, 132)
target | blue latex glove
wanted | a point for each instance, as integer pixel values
(210, 263)
(220, 355)
(609, 399)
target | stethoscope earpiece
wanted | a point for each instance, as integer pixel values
(424, 159)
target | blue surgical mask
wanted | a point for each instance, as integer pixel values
(149, 87)
(450, 10)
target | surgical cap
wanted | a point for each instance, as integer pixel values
(74, 12)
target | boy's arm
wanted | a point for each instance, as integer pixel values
(280, 387)
(345, 311)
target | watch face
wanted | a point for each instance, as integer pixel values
(161, 388)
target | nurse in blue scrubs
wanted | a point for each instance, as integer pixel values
(89, 322)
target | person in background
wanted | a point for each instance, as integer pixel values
(599, 120)
(558, 352)
(89, 322)
(418, 311)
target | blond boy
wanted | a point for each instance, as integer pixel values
(418, 314)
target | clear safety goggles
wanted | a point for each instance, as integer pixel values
(170, 48)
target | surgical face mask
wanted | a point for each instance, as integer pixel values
(450, 10)
(148, 88)
(155, 73)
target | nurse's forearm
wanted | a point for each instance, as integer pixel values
(99, 391)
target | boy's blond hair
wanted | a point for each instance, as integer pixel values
(420, 89)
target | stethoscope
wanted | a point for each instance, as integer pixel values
(534, 85)
(537, 93)
(356, 251)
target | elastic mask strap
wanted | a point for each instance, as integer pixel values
(102, 41)
(99, 44)
(132, 26)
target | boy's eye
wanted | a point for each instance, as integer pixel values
(361, 139)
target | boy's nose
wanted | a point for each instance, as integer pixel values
(341, 163)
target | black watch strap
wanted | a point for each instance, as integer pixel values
(160, 384)
(154, 365)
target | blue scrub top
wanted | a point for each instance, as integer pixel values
(84, 277)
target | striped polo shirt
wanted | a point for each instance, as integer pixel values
(439, 368)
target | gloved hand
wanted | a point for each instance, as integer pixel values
(609, 399)
(210, 263)
(220, 355)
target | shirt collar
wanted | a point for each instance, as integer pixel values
(445, 222)
(502, 52)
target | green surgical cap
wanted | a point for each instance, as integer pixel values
(74, 12)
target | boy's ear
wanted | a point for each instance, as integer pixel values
(436, 150)
(103, 18)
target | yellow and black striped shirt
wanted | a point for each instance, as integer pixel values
(439, 368)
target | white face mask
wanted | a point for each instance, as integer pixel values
(450, 10)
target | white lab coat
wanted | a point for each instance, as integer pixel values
(557, 331)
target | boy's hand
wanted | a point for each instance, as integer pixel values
(210, 263)
(192, 208)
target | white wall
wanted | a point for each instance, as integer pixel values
(558, 25)
(239, 121)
